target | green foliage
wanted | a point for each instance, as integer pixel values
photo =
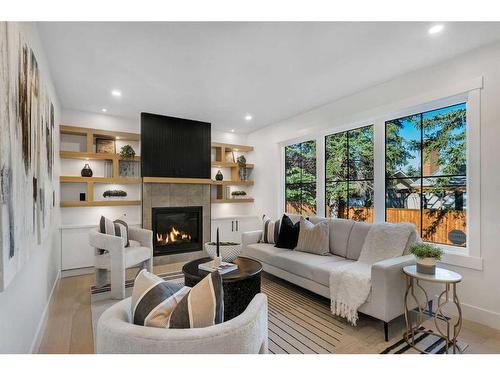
(127, 152)
(242, 161)
(238, 192)
(114, 193)
(426, 250)
(300, 176)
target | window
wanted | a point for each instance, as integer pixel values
(349, 174)
(426, 176)
(300, 178)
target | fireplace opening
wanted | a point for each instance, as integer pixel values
(177, 229)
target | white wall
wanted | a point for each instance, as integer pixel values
(23, 304)
(479, 289)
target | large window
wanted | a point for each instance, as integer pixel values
(349, 174)
(300, 178)
(426, 173)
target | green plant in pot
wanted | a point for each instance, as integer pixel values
(242, 167)
(238, 194)
(427, 256)
(127, 153)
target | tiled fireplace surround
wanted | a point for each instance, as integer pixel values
(176, 195)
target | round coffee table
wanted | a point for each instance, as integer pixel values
(240, 286)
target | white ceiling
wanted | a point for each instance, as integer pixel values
(219, 72)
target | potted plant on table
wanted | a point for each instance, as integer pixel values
(427, 256)
(238, 194)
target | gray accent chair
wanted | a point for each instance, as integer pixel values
(312, 272)
(245, 334)
(117, 258)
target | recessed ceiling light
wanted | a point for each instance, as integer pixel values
(248, 117)
(436, 29)
(232, 130)
(116, 93)
(104, 110)
(117, 137)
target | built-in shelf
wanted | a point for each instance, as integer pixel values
(101, 180)
(231, 147)
(99, 133)
(236, 200)
(233, 183)
(117, 202)
(175, 180)
(226, 164)
(93, 156)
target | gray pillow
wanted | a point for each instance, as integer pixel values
(313, 238)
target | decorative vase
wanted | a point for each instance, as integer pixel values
(243, 173)
(228, 252)
(427, 265)
(219, 176)
(86, 171)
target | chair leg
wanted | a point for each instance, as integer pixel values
(118, 284)
(386, 331)
(101, 277)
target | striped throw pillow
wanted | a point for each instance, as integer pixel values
(270, 230)
(154, 299)
(313, 238)
(117, 228)
(203, 306)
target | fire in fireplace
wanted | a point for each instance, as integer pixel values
(177, 229)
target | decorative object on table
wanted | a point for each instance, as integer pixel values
(114, 194)
(127, 153)
(222, 268)
(219, 176)
(229, 250)
(82, 197)
(449, 295)
(105, 146)
(242, 167)
(239, 286)
(238, 194)
(427, 256)
(86, 171)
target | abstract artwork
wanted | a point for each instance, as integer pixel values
(26, 153)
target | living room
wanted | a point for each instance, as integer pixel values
(190, 187)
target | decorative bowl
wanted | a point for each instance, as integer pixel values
(229, 251)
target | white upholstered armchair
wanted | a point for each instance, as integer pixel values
(245, 334)
(117, 258)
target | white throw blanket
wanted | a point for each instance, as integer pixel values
(350, 285)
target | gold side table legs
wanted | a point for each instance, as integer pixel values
(414, 326)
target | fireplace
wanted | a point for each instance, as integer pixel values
(177, 229)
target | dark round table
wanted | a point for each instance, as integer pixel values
(240, 286)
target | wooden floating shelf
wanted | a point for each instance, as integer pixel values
(175, 180)
(100, 203)
(242, 200)
(231, 147)
(232, 183)
(226, 164)
(101, 180)
(99, 133)
(93, 156)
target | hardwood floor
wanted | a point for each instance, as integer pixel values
(69, 326)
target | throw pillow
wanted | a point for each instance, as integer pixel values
(154, 299)
(202, 306)
(288, 234)
(117, 228)
(313, 238)
(270, 230)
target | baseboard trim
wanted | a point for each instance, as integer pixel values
(37, 340)
(476, 314)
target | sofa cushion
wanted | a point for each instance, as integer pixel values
(299, 263)
(270, 230)
(340, 229)
(313, 238)
(288, 234)
(357, 239)
(134, 243)
(321, 273)
(262, 251)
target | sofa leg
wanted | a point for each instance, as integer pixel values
(386, 331)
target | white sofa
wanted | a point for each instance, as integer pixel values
(245, 334)
(312, 272)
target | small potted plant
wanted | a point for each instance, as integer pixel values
(127, 153)
(242, 167)
(427, 256)
(114, 194)
(238, 194)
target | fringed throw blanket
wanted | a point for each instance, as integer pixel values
(350, 285)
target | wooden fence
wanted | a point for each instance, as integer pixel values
(437, 224)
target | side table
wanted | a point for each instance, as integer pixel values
(449, 279)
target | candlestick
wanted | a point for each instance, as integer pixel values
(217, 248)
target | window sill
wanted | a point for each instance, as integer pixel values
(461, 259)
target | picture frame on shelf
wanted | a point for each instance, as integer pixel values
(105, 146)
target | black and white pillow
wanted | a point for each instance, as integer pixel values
(289, 233)
(270, 230)
(117, 228)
